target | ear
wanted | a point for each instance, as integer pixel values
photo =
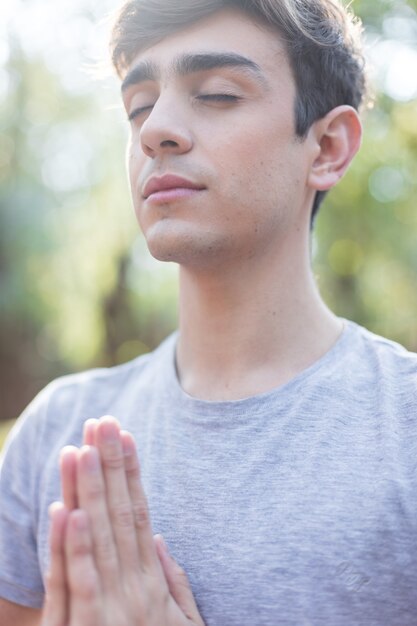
(338, 137)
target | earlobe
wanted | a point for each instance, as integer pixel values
(338, 138)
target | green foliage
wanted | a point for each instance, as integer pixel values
(366, 258)
(77, 286)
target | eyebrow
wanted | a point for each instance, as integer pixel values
(192, 63)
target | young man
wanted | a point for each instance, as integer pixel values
(276, 441)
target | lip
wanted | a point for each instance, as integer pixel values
(169, 183)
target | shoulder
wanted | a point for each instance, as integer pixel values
(389, 355)
(384, 367)
(58, 412)
(109, 381)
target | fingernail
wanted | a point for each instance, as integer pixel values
(126, 443)
(68, 451)
(55, 506)
(92, 421)
(91, 458)
(109, 432)
(89, 428)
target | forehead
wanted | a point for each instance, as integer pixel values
(228, 31)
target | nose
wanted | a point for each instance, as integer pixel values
(165, 130)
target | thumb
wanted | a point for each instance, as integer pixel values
(178, 583)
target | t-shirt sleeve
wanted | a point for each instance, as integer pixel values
(20, 575)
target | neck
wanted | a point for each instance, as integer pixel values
(253, 327)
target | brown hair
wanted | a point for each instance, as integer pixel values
(322, 38)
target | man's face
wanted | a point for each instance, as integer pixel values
(213, 105)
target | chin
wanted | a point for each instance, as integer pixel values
(164, 241)
(172, 251)
(183, 245)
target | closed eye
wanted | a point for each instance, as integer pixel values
(218, 97)
(136, 112)
(211, 97)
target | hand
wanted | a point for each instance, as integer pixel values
(106, 568)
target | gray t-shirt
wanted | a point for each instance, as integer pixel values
(295, 507)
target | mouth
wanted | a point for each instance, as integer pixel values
(170, 187)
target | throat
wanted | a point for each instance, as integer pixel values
(245, 333)
(216, 370)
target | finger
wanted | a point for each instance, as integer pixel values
(92, 499)
(144, 535)
(83, 581)
(56, 599)
(68, 470)
(119, 504)
(89, 433)
(178, 584)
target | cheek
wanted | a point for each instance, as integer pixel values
(259, 177)
(131, 164)
(135, 163)
(247, 153)
(268, 163)
(254, 176)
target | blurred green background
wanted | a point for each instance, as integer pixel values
(77, 286)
